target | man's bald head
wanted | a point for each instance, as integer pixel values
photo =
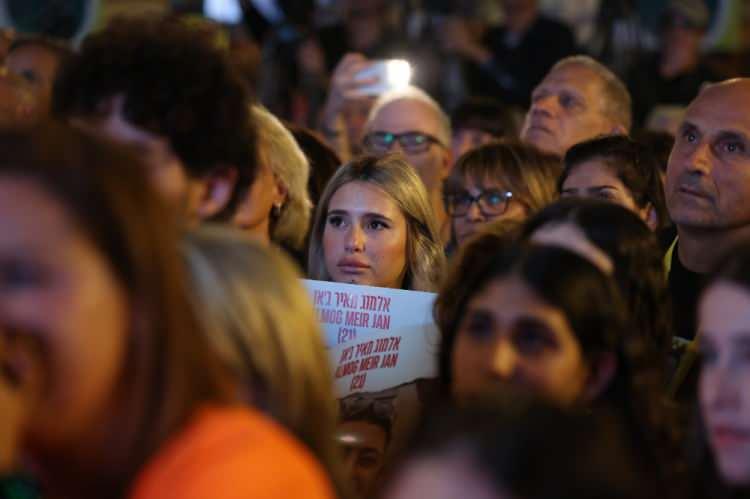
(708, 175)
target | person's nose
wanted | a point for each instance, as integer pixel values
(504, 360)
(544, 106)
(699, 160)
(474, 214)
(355, 239)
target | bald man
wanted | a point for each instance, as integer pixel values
(579, 99)
(707, 190)
(410, 122)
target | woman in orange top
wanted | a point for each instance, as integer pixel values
(133, 404)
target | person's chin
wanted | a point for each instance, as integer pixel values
(543, 140)
(352, 278)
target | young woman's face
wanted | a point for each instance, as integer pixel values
(55, 285)
(509, 335)
(724, 388)
(364, 241)
(597, 180)
(493, 204)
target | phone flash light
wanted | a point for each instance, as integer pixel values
(398, 73)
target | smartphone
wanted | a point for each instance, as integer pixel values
(223, 11)
(391, 74)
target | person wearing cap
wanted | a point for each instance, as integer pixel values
(675, 74)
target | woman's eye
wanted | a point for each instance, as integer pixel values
(377, 225)
(335, 220)
(708, 354)
(19, 275)
(605, 195)
(531, 340)
(479, 326)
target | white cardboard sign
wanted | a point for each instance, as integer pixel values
(377, 338)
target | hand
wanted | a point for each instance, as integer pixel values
(345, 85)
(20, 382)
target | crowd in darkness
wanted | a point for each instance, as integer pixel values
(579, 208)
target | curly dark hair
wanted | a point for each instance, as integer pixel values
(175, 84)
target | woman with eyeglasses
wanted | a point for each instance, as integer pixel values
(504, 180)
(374, 226)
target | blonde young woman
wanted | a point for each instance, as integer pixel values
(277, 206)
(374, 226)
(260, 321)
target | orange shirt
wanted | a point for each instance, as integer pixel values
(232, 453)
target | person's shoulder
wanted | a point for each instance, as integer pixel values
(233, 453)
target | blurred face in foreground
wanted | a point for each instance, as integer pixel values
(71, 303)
(724, 389)
(509, 335)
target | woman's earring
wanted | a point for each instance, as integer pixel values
(276, 211)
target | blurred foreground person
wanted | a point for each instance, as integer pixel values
(616, 169)
(724, 464)
(374, 226)
(258, 317)
(133, 402)
(521, 451)
(545, 320)
(579, 99)
(617, 241)
(169, 93)
(498, 181)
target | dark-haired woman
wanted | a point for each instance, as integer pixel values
(549, 321)
(616, 169)
(724, 329)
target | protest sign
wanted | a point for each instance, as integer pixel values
(377, 338)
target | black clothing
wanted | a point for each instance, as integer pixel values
(685, 287)
(519, 64)
(648, 88)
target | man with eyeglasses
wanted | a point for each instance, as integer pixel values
(410, 122)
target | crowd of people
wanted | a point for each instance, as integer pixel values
(158, 212)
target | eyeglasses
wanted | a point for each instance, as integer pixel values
(491, 203)
(411, 142)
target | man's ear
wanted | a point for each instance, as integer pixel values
(217, 188)
(602, 372)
